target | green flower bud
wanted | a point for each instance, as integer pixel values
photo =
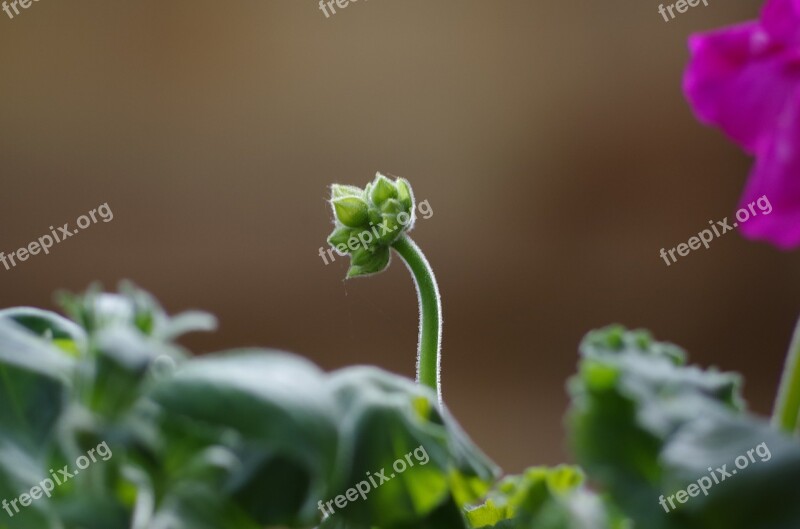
(391, 208)
(351, 211)
(389, 229)
(340, 236)
(375, 217)
(404, 193)
(361, 257)
(382, 190)
(365, 262)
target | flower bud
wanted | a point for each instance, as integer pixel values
(392, 207)
(340, 236)
(375, 216)
(404, 193)
(365, 262)
(351, 211)
(382, 190)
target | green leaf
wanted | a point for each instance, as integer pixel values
(63, 333)
(96, 310)
(762, 494)
(34, 378)
(395, 428)
(281, 423)
(197, 506)
(645, 425)
(33, 383)
(545, 499)
(90, 511)
(131, 308)
(185, 323)
(22, 349)
(124, 358)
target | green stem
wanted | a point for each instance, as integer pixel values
(787, 406)
(430, 313)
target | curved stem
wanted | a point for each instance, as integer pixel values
(787, 406)
(430, 313)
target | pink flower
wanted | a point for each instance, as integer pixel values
(745, 80)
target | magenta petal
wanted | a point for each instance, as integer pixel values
(738, 80)
(781, 19)
(776, 176)
(746, 81)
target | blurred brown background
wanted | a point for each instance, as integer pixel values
(550, 138)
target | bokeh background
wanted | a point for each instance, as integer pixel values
(551, 140)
